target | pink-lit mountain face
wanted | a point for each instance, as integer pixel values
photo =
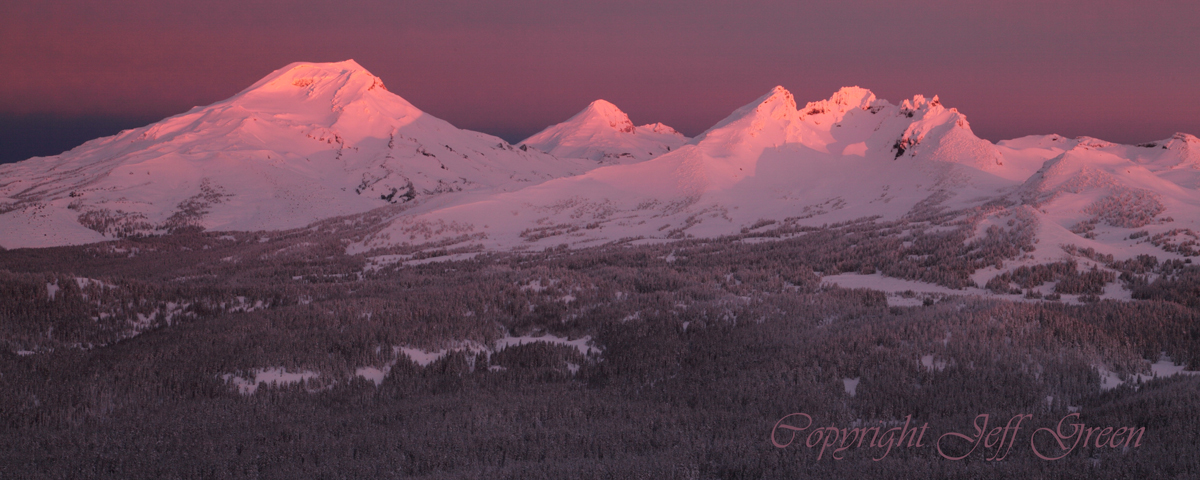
(307, 142)
(313, 141)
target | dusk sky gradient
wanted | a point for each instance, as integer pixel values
(1120, 71)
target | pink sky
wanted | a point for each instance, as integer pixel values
(1122, 71)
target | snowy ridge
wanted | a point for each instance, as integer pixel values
(836, 160)
(847, 157)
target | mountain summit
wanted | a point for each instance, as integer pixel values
(602, 111)
(603, 133)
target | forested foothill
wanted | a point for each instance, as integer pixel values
(119, 360)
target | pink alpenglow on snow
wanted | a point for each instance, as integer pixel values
(602, 132)
(318, 140)
(850, 156)
(307, 142)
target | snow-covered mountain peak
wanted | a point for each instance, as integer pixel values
(304, 74)
(853, 97)
(835, 107)
(339, 83)
(778, 104)
(340, 100)
(934, 132)
(919, 102)
(603, 112)
(854, 122)
(602, 132)
(777, 107)
(308, 141)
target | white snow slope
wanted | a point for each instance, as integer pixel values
(603, 133)
(309, 141)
